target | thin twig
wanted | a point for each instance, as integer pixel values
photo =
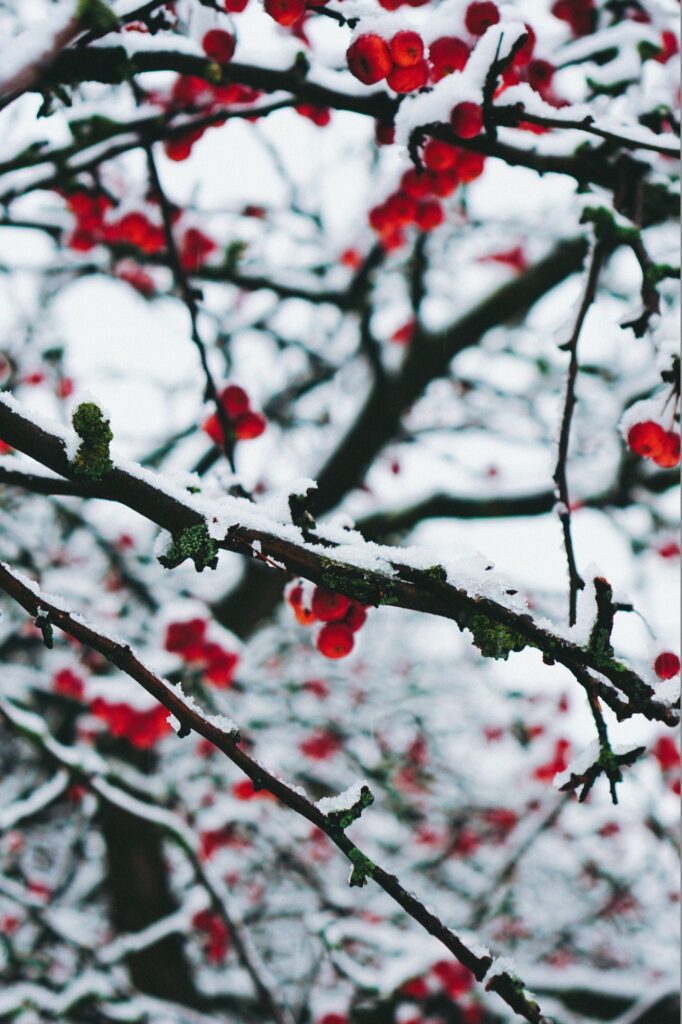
(576, 582)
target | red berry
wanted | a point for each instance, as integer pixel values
(401, 209)
(430, 215)
(407, 49)
(181, 635)
(526, 52)
(213, 428)
(369, 59)
(667, 665)
(328, 606)
(470, 166)
(467, 120)
(235, 6)
(403, 80)
(669, 455)
(480, 16)
(440, 156)
(446, 55)
(356, 616)
(335, 640)
(234, 401)
(540, 74)
(415, 184)
(68, 684)
(249, 426)
(646, 438)
(285, 12)
(219, 45)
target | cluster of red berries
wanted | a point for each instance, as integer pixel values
(341, 615)
(416, 201)
(141, 728)
(188, 639)
(198, 95)
(96, 225)
(244, 422)
(215, 935)
(652, 441)
(446, 976)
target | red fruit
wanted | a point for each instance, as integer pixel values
(212, 427)
(64, 387)
(304, 616)
(579, 14)
(669, 46)
(219, 45)
(415, 184)
(249, 426)
(138, 279)
(669, 455)
(403, 80)
(235, 6)
(526, 52)
(335, 640)
(181, 635)
(285, 12)
(328, 606)
(407, 49)
(81, 241)
(454, 977)
(333, 1018)
(646, 438)
(195, 248)
(356, 616)
(430, 215)
(321, 116)
(446, 55)
(439, 156)
(667, 665)
(467, 120)
(67, 684)
(234, 401)
(401, 209)
(540, 74)
(480, 16)
(369, 59)
(321, 745)
(470, 166)
(666, 753)
(219, 664)
(444, 183)
(180, 148)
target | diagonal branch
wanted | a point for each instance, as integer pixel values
(190, 717)
(368, 573)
